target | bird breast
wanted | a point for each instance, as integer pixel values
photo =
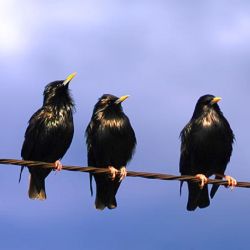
(55, 118)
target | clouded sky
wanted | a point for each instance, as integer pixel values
(165, 55)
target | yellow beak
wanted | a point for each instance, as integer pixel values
(121, 99)
(69, 78)
(215, 100)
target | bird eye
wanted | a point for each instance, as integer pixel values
(108, 102)
(207, 102)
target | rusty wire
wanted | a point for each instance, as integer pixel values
(158, 176)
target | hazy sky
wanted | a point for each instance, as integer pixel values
(165, 55)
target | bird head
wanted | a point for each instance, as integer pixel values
(109, 104)
(57, 91)
(205, 104)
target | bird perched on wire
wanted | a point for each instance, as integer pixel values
(206, 148)
(49, 134)
(111, 142)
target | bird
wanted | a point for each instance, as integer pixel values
(111, 143)
(49, 134)
(206, 148)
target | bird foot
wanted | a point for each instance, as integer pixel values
(203, 180)
(58, 165)
(123, 173)
(113, 172)
(231, 181)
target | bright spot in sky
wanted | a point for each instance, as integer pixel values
(12, 37)
(237, 33)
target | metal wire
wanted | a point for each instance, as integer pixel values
(95, 170)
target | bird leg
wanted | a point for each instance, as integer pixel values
(58, 165)
(203, 180)
(123, 173)
(113, 172)
(231, 181)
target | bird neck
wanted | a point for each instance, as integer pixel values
(61, 102)
(58, 107)
(209, 118)
(110, 119)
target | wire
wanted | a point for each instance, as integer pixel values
(94, 170)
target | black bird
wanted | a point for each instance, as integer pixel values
(49, 134)
(111, 141)
(206, 148)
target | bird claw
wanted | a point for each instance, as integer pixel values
(113, 172)
(232, 183)
(123, 173)
(203, 180)
(58, 165)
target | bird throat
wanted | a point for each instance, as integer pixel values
(210, 118)
(114, 120)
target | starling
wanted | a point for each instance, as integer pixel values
(206, 148)
(49, 134)
(111, 142)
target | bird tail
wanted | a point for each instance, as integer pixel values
(20, 175)
(37, 188)
(90, 183)
(215, 187)
(105, 193)
(181, 184)
(197, 197)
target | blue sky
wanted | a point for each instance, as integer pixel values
(165, 55)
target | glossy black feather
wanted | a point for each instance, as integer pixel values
(111, 141)
(206, 148)
(49, 134)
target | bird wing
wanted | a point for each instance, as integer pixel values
(197, 197)
(184, 165)
(91, 158)
(46, 139)
(32, 135)
(33, 148)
